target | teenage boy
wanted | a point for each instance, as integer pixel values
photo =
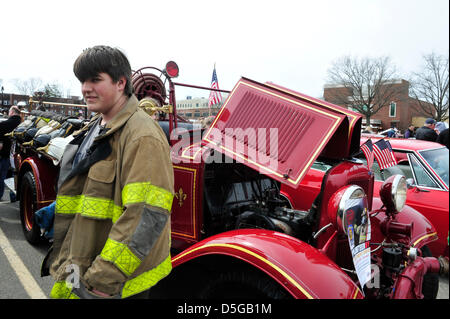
(115, 191)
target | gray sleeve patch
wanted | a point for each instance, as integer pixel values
(148, 231)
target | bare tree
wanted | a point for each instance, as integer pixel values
(430, 87)
(366, 84)
(53, 90)
(28, 87)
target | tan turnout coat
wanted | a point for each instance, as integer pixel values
(112, 216)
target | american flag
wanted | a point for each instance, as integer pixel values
(384, 154)
(215, 97)
(367, 149)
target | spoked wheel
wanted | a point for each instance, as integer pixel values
(239, 283)
(28, 205)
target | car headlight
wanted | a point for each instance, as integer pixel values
(347, 205)
(393, 193)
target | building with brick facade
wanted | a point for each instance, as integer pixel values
(189, 108)
(66, 106)
(402, 111)
(197, 108)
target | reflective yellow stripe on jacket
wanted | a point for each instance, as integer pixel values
(106, 209)
(146, 280)
(121, 256)
(147, 193)
(62, 290)
(88, 206)
(118, 253)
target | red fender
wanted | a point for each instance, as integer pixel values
(45, 186)
(301, 269)
(423, 232)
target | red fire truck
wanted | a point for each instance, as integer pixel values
(234, 234)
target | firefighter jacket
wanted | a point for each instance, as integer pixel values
(112, 215)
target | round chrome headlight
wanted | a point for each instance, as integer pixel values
(352, 196)
(393, 193)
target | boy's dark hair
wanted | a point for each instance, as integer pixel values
(101, 58)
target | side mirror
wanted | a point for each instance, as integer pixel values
(410, 183)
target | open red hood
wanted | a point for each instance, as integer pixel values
(354, 118)
(278, 132)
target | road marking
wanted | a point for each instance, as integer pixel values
(9, 220)
(25, 277)
(8, 203)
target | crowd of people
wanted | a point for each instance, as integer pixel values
(430, 131)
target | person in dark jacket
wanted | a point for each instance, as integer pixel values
(391, 133)
(443, 138)
(409, 133)
(427, 132)
(5, 144)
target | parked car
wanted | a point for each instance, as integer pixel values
(426, 168)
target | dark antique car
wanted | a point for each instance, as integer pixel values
(234, 234)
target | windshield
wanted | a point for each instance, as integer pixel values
(402, 169)
(438, 160)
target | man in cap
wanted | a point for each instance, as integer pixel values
(427, 132)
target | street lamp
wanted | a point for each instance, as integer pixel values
(2, 95)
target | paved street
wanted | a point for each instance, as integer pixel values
(443, 288)
(16, 252)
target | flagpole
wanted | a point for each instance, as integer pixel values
(215, 98)
(209, 107)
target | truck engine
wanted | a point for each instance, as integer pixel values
(237, 197)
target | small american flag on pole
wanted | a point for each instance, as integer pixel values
(215, 97)
(384, 154)
(367, 149)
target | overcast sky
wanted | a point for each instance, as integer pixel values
(291, 43)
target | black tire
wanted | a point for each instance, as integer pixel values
(430, 285)
(244, 283)
(28, 205)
